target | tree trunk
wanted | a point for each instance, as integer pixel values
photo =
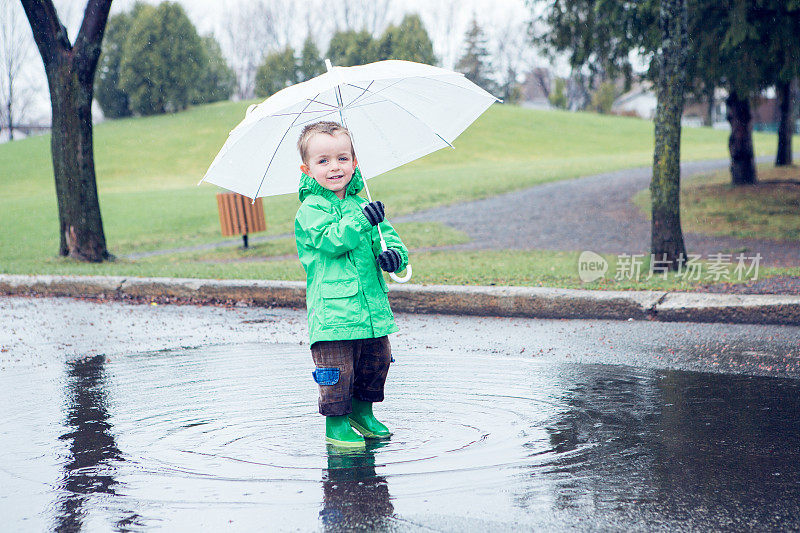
(709, 121)
(10, 118)
(666, 242)
(740, 142)
(70, 75)
(81, 227)
(784, 155)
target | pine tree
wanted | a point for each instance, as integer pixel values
(311, 64)
(278, 71)
(408, 41)
(475, 63)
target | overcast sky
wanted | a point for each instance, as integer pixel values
(445, 27)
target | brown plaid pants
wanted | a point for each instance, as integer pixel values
(350, 368)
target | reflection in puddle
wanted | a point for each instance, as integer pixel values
(354, 495)
(92, 449)
(229, 437)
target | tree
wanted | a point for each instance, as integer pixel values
(250, 30)
(408, 41)
(729, 51)
(311, 64)
(597, 35)
(111, 98)
(603, 97)
(785, 49)
(734, 45)
(558, 97)
(162, 59)
(511, 57)
(666, 237)
(278, 71)
(217, 80)
(14, 51)
(368, 15)
(474, 64)
(70, 70)
(348, 48)
(783, 157)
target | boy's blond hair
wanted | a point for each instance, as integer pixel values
(329, 128)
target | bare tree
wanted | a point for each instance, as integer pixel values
(543, 79)
(447, 24)
(370, 15)
(250, 31)
(512, 53)
(15, 47)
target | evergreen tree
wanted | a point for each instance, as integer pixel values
(163, 58)
(408, 41)
(739, 45)
(475, 64)
(278, 71)
(311, 64)
(666, 235)
(111, 98)
(218, 80)
(348, 48)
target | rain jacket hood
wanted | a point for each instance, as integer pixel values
(346, 294)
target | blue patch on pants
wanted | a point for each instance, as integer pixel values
(326, 376)
(392, 359)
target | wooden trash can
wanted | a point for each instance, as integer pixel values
(238, 216)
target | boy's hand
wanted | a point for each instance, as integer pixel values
(389, 260)
(374, 212)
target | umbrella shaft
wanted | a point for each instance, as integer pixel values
(340, 102)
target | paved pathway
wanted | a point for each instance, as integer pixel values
(592, 213)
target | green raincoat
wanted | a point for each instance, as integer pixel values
(345, 289)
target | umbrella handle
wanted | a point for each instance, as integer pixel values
(405, 278)
(392, 275)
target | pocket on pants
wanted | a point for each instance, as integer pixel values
(326, 376)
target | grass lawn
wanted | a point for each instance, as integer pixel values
(768, 210)
(148, 169)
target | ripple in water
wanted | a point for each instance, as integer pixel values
(231, 435)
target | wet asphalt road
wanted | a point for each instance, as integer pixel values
(131, 417)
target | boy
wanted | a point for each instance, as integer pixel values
(349, 318)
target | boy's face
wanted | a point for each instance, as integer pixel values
(330, 161)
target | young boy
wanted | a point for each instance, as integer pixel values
(349, 318)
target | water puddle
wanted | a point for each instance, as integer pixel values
(229, 436)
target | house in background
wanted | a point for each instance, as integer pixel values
(640, 101)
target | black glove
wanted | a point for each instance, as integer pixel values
(374, 212)
(389, 260)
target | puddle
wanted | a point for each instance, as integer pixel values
(230, 436)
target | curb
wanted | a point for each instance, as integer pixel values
(527, 302)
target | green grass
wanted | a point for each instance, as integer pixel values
(535, 268)
(416, 235)
(148, 169)
(767, 210)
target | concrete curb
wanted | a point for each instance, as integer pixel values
(529, 302)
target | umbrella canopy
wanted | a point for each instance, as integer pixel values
(396, 111)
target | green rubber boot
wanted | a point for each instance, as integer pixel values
(365, 422)
(339, 433)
